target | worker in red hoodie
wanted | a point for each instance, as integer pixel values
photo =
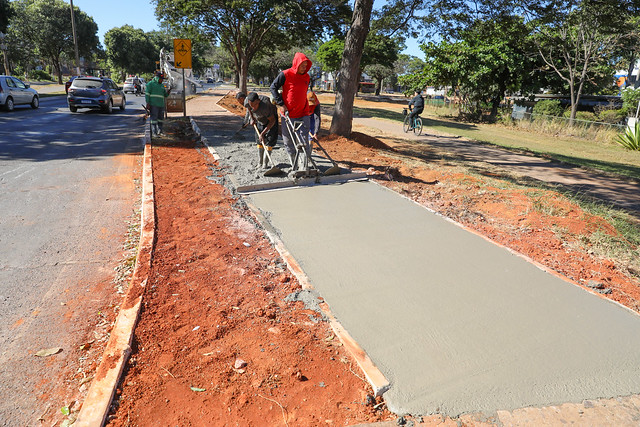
(294, 83)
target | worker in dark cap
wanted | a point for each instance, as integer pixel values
(155, 97)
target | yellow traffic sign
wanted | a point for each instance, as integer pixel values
(182, 53)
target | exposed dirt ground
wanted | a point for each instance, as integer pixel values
(219, 343)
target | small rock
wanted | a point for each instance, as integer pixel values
(401, 421)
(275, 331)
(246, 244)
(593, 284)
(239, 364)
(605, 291)
(588, 404)
(370, 400)
(321, 384)
(196, 328)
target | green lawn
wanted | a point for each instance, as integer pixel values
(609, 157)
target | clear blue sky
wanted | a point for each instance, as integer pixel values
(140, 14)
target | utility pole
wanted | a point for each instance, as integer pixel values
(75, 39)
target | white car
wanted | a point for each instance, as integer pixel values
(14, 92)
(130, 87)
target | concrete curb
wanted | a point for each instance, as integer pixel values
(95, 407)
(374, 376)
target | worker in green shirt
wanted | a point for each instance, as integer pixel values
(155, 96)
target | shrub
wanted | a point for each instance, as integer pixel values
(582, 115)
(630, 99)
(630, 139)
(611, 116)
(549, 107)
(40, 75)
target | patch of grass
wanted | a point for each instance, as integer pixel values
(607, 157)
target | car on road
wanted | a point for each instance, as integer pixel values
(67, 84)
(96, 93)
(14, 92)
(129, 86)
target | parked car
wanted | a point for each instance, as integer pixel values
(209, 80)
(15, 92)
(95, 92)
(130, 87)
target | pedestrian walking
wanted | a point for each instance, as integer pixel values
(155, 96)
(294, 82)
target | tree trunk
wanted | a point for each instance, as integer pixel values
(347, 85)
(243, 74)
(378, 86)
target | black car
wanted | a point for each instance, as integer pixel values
(95, 92)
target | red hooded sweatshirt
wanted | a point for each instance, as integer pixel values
(294, 88)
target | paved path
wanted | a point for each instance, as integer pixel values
(621, 192)
(455, 322)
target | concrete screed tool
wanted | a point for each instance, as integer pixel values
(333, 170)
(301, 152)
(274, 169)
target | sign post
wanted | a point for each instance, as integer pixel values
(182, 59)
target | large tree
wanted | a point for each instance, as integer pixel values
(489, 58)
(47, 25)
(574, 40)
(130, 50)
(246, 27)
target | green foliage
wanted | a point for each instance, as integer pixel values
(330, 54)
(5, 15)
(45, 24)
(250, 28)
(630, 100)
(548, 107)
(630, 139)
(611, 116)
(130, 49)
(489, 58)
(40, 75)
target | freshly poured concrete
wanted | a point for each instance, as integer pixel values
(456, 323)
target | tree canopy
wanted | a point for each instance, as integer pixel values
(46, 24)
(246, 27)
(130, 50)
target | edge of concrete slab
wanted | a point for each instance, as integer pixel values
(374, 376)
(95, 407)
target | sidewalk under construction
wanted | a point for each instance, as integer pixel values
(456, 323)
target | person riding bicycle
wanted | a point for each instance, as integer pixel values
(416, 106)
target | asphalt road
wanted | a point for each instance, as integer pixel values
(66, 192)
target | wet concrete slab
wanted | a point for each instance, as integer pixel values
(455, 322)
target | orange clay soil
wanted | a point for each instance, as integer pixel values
(217, 344)
(216, 296)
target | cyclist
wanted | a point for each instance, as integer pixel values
(416, 106)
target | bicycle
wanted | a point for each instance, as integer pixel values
(416, 126)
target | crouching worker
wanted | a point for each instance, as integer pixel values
(266, 120)
(155, 96)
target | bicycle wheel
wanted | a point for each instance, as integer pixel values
(405, 125)
(417, 128)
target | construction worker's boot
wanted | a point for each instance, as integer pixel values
(267, 157)
(261, 161)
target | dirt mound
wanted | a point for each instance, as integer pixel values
(361, 138)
